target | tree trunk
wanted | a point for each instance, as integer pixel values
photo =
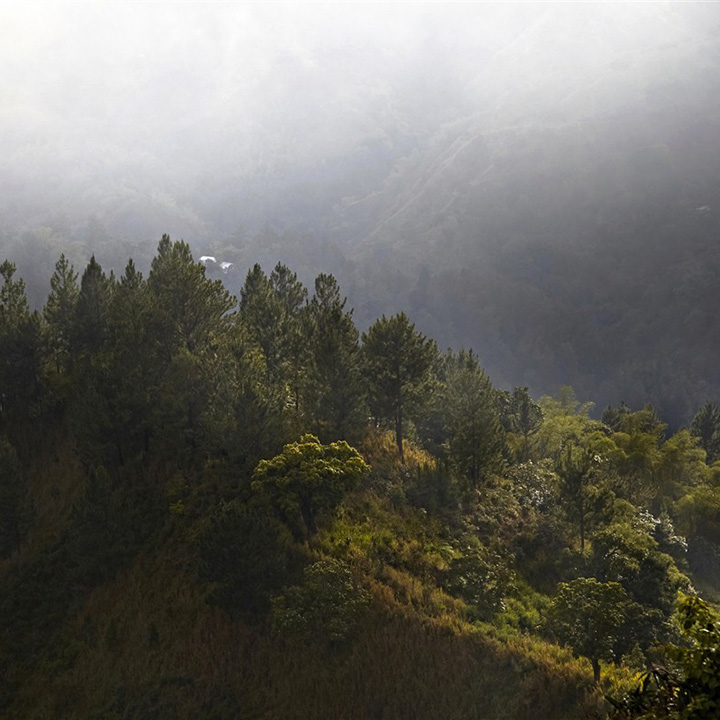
(399, 433)
(596, 670)
(308, 516)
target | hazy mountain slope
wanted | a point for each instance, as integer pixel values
(539, 181)
(575, 244)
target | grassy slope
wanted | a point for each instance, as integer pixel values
(147, 645)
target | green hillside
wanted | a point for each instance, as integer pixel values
(242, 508)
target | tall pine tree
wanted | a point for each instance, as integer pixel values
(335, 392)
(398, 367)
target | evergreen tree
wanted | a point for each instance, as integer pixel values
(291, 297)
(575, 466)
(613, 415)
(475, 435)
(131, 370)
(192, 309)
(91, 412)
(21, 361)
(521, 416)
(91, 314)
(334, 383)
(189, 319)
(398, 363)
(59, 311)
(13, 300)
(706, 426)
(259, 313)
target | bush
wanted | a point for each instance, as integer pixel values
(480, 577)
(324, 608)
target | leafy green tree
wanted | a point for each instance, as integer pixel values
(682, 465)
(479, 576)
(688, 687)
(475, 435)
(646, 421)
(698, 519)
(398, 364)
(335, 395)
(565, 420)
(635, 454)
(706, 427)
(59, 311)
(324, 607)
(308, 479)
(588, 615)
(635, 459)
(576, 465)
(628, 554)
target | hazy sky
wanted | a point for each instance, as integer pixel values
(163, 61)
(119, 69)
(159, 95)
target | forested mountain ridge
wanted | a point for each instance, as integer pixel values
(243, 507)
(539, 181)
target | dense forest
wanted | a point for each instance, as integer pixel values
(244, 507)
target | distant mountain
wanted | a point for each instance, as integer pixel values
(538, 181)
(569, 233)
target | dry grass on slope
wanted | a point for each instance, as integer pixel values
(148, 646)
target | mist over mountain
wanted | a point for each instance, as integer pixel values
(538, 181)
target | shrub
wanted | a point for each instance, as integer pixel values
(323, 608)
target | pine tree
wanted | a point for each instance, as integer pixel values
(706, 426)
(274, 314)
(334, 384)
(476, 437)
(522, 417)
(92, 307)
(292, 301)
(260, 315)
(21, 360)
(189, 319)
(59, 311)
(398, 366)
